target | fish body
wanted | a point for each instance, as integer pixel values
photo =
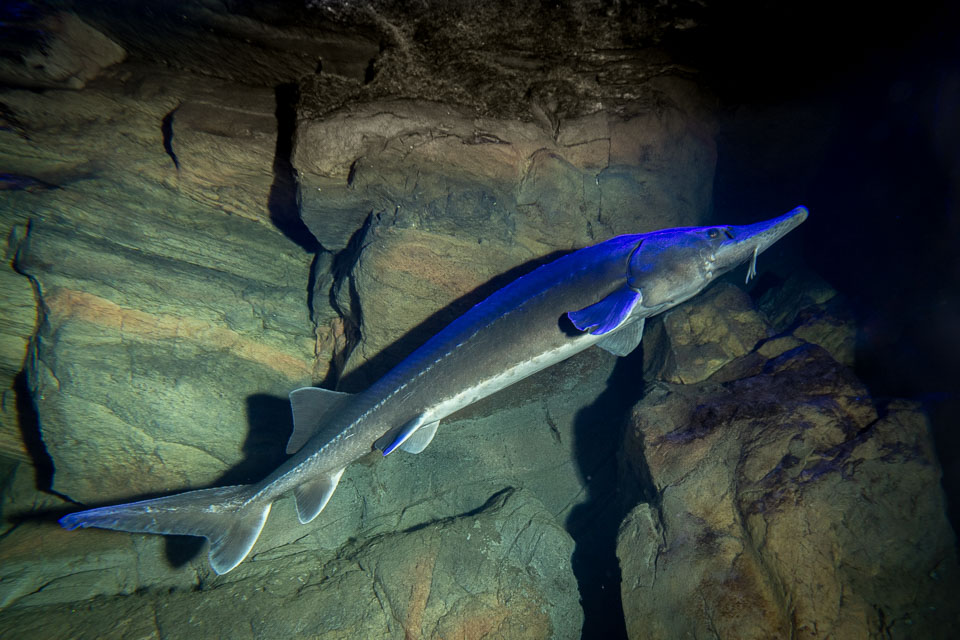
(599, 295)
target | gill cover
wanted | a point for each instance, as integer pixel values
(672, 265)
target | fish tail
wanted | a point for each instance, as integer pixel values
(231, 518)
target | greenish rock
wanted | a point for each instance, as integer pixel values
(166, 321)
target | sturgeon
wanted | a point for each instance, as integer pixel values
(600, 295)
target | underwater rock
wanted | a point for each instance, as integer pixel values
(696, 339)
(160, 345)
(810, 309)
(170, 328)
(501, 571)
(222, 139)
(17, 324)
(788, 504)
(66, 52)
(428, 202)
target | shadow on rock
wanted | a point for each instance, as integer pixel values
(594, 523)
(270, 424)
(29, 423)
(371, 370)
(282, 202)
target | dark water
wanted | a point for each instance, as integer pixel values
(866, 132)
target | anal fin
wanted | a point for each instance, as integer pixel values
(314, 495)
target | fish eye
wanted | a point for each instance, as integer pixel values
(728, 232)
(712, 234)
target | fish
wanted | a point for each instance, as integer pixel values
(597, 296)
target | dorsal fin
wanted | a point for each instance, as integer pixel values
(310, 405)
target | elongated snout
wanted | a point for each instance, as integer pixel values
(748, 241)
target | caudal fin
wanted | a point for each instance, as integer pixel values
(223, 515)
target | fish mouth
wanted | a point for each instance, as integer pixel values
(746, 242)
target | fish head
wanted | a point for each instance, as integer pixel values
(671, 266)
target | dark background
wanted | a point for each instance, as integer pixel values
(855, 114)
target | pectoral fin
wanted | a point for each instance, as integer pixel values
(624, 340)
(608, 314)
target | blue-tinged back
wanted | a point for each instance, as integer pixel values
(514, 296)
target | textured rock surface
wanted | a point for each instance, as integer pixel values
(812, 310)
(695, 340)
(163, 314)
(500, 572)
(439, 201)
(788, 505)
(66, 52)
(17, 324)
(504, 59)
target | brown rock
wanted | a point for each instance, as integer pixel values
(434, 201)
(787, 507)
(699, 337)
